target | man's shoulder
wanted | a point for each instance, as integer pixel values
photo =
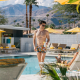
(46, 31)
(35, 31)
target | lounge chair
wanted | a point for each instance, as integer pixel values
(55, 45)
(57, 48)
(12, 49)
(48, 46)
(4, 45)
(75, 65)
(73, 48)
(12, 73)
(62, 46)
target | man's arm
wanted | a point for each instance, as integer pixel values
(34, 37)
(75, 55)
(48, 37)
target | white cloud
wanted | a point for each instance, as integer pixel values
(47, 3)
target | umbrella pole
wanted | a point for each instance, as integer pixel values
(77, 38)
(0, 37)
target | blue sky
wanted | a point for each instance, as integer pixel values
(47, 3)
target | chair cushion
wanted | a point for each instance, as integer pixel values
(59, 47)
(1, 47)
(7, 46)
(72, 48)
(12, 45)
(51, 47)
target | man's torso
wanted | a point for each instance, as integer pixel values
(41, 37)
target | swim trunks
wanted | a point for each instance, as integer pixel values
(41, 49)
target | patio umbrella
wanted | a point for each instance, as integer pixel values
(62, 2)
(0, 34)
(77, 29)
(3, 0)
(50, 30)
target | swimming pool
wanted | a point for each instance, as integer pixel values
(33, 65)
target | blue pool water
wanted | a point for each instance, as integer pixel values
(33, 65)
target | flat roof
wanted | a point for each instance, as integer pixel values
(13, 27)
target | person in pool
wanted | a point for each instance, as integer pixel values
(68, 63)
(40, 35)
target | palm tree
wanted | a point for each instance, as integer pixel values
(60, 21)
(30, 11)
(33, 22)
(18, 24)
(38, 20)
(74, 23)
(22, 23)
(14, 22)
(47, 18)
(27, 3)
(69, 23)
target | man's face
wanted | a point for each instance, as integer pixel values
(42, 26)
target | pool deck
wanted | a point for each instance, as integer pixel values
(31, 77)
(38, 77)
(34, 53)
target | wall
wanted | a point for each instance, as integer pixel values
(63, 39)
(26, 44)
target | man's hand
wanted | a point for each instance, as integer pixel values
(35, 48)
(46, 43)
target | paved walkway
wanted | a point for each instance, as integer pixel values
(31, 77)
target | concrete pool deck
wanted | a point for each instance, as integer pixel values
(34, 53)
(38, 77)
(31, 77)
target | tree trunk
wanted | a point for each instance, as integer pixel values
(26, 19)
(69, 24)
(47, 20)
(33, 23)
(30, 14)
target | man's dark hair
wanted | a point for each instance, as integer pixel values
(41, 21)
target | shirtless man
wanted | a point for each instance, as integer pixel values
(40, 35)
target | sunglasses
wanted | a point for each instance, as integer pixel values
(43, 25)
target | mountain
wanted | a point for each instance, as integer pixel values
(19, 9)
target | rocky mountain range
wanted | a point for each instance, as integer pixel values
(19, 9)
(17, 12)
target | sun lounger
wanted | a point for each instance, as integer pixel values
(12, 73)
(62, 46)
(75, 46)
(56, 47)
(75, 65)
(6, 50)
(48, 46)
(4, 45)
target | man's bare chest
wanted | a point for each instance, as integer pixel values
(41, 34)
